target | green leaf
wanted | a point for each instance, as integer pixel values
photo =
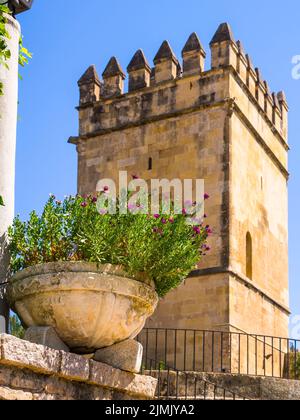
(5, 53)
(1, 201)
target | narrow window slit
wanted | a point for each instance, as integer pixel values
(249, 256)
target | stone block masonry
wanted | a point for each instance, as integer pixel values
(33, 372)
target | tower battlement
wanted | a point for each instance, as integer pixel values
(171, 87)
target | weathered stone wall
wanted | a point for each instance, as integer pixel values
(258, 205)
(33, 372)
(222, 125)
(200, 303)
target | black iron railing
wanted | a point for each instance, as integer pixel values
(173, 384)
(219, 351)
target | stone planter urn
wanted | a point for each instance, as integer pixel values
(90, 306)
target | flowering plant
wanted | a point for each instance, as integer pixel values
(162, 247)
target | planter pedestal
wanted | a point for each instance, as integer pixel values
(126, 356)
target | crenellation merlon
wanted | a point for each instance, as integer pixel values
(158, 90)
(90, 86)
(241, 50)
(139, 72)
(166, 64)
(193, 55)
(268, 100)
(113, 77)
(242, 64)
(284, 112)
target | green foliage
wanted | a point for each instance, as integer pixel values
(4, 35)
(294, 364)
(1, 201)
(163, 248)
(24, 54)
(16, 327)
(5, 53)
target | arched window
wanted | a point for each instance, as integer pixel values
(249, 256)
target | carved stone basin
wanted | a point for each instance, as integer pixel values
(90, 306)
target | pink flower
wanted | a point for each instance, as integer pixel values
(206, 196)
(184, 212)
(94, 200)
(105, 189)
(163, 221)
(84, 204)
(156, 216)
(171, 220)
(197, 230)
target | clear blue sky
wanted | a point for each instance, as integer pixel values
(66, 36)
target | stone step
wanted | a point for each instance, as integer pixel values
(191, 384)
(173, 385)
(199, 399)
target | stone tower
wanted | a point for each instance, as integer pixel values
(223, 125)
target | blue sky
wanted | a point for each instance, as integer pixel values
(66, 36)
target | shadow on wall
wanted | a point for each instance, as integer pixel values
(4, 258)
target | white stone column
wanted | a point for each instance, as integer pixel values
(8, 131)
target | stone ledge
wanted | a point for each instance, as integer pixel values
(242, 279)
(23, 357)
(257, 387)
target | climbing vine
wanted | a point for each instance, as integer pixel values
(4, 35)
(5, 52)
